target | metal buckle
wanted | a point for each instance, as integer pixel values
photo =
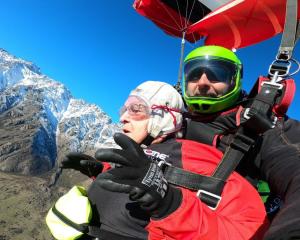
(281, 67)
(284, 55)
(246, 113)
(279, 85)
(274, 121)
(163, 163)
(212, 195)
(247, 117)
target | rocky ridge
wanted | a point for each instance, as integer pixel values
(39, 122)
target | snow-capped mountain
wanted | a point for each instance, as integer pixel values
(40, 120)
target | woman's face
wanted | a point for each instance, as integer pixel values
(135, 119)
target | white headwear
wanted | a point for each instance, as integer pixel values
(162, 118)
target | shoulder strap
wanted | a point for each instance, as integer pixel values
(291, 32)
(202, 132)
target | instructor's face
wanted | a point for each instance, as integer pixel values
(204, 87)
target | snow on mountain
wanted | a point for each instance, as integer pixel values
(85, 127)
(13, 70)
(39, 118)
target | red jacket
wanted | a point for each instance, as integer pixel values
(240, 214)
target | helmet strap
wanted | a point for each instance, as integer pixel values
(147, 141)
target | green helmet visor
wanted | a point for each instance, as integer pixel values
(216, 71)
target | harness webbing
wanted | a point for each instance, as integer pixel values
(291, 31)
(85, 228)
(183, 178)
(80, 227)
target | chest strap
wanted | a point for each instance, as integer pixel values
(196, 182)
(209, 188)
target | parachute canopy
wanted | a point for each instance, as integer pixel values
(228, 23)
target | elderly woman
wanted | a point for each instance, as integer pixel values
(135, 200)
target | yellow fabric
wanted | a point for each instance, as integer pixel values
(75, 206)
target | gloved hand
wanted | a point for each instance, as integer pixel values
(138, 176)
(86, 164)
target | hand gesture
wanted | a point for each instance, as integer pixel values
(86, 164)
(137, 174)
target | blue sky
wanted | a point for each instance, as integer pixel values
(102, 49)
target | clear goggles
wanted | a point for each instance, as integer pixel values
(136, 107)
(216, 70)
(139, 109)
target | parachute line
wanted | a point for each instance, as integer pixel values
(180, 27)
(163, 23)
(181, 22)
(190, 14)
(186, 14)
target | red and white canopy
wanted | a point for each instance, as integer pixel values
(232, 24)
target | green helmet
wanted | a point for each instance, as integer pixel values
(220, 66)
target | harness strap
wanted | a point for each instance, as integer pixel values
(291, 32)
(282, 102)
(259, 117)
(79, 227)
(287, 98)
(238, 148)
(193, 181)
(196, 182)
(147, 141)
(85, 228)
(203, 133)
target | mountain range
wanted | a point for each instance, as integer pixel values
(40, 121)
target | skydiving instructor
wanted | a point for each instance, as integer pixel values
(212, 90)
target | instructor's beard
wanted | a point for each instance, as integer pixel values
(201, 93)
(207, 92)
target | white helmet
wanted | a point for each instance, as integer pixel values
(166, 107)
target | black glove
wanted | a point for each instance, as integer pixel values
(138, 176)
(86, 164)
